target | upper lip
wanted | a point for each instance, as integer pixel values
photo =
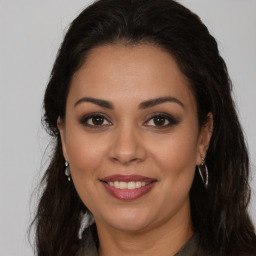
(127, 178)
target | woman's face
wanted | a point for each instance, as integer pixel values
(131, 137)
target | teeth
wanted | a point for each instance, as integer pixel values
(127, 185)
(122, 185)
(131, 185)
(137, 184)
(116, 184)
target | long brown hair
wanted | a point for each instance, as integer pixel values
(219, 214)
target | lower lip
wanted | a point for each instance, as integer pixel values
(128, 194)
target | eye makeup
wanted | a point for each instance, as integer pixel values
(161, 120)
(95, 120)
(157, 120)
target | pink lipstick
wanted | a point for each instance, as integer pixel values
(128, 187)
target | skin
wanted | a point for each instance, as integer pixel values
(130, 141)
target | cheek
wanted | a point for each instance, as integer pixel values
(175, 158)
(85, 153)
(176, 154)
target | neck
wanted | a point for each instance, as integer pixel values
(164, 239)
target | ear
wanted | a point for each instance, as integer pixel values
(61, 127)
(204, 138)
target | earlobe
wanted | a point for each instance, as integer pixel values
(61, 129)
(205, 138)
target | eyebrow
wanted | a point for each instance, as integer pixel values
(99, 102)
(142, 105)
(154, 102)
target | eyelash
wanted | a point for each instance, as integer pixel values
(85, 119)
(167, 117)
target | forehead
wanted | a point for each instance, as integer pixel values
(130, 73)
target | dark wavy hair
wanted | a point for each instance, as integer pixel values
(219, 214)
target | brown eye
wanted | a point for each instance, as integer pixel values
(97, 120)
(159, 120)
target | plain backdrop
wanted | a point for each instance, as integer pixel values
(30, 34)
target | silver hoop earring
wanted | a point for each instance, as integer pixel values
(203, 171)
(67, 170)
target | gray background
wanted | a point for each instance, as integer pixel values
(30, 34)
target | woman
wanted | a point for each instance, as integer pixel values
(139, 104)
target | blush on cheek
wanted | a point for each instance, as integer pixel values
(178, 157)
(84, 157)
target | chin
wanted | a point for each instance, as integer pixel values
(130, 221)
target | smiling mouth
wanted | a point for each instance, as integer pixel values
(128, 187)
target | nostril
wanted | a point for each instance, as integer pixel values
(127, 152)
(114, 159)
(125, 160)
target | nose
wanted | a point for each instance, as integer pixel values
(127, 146)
